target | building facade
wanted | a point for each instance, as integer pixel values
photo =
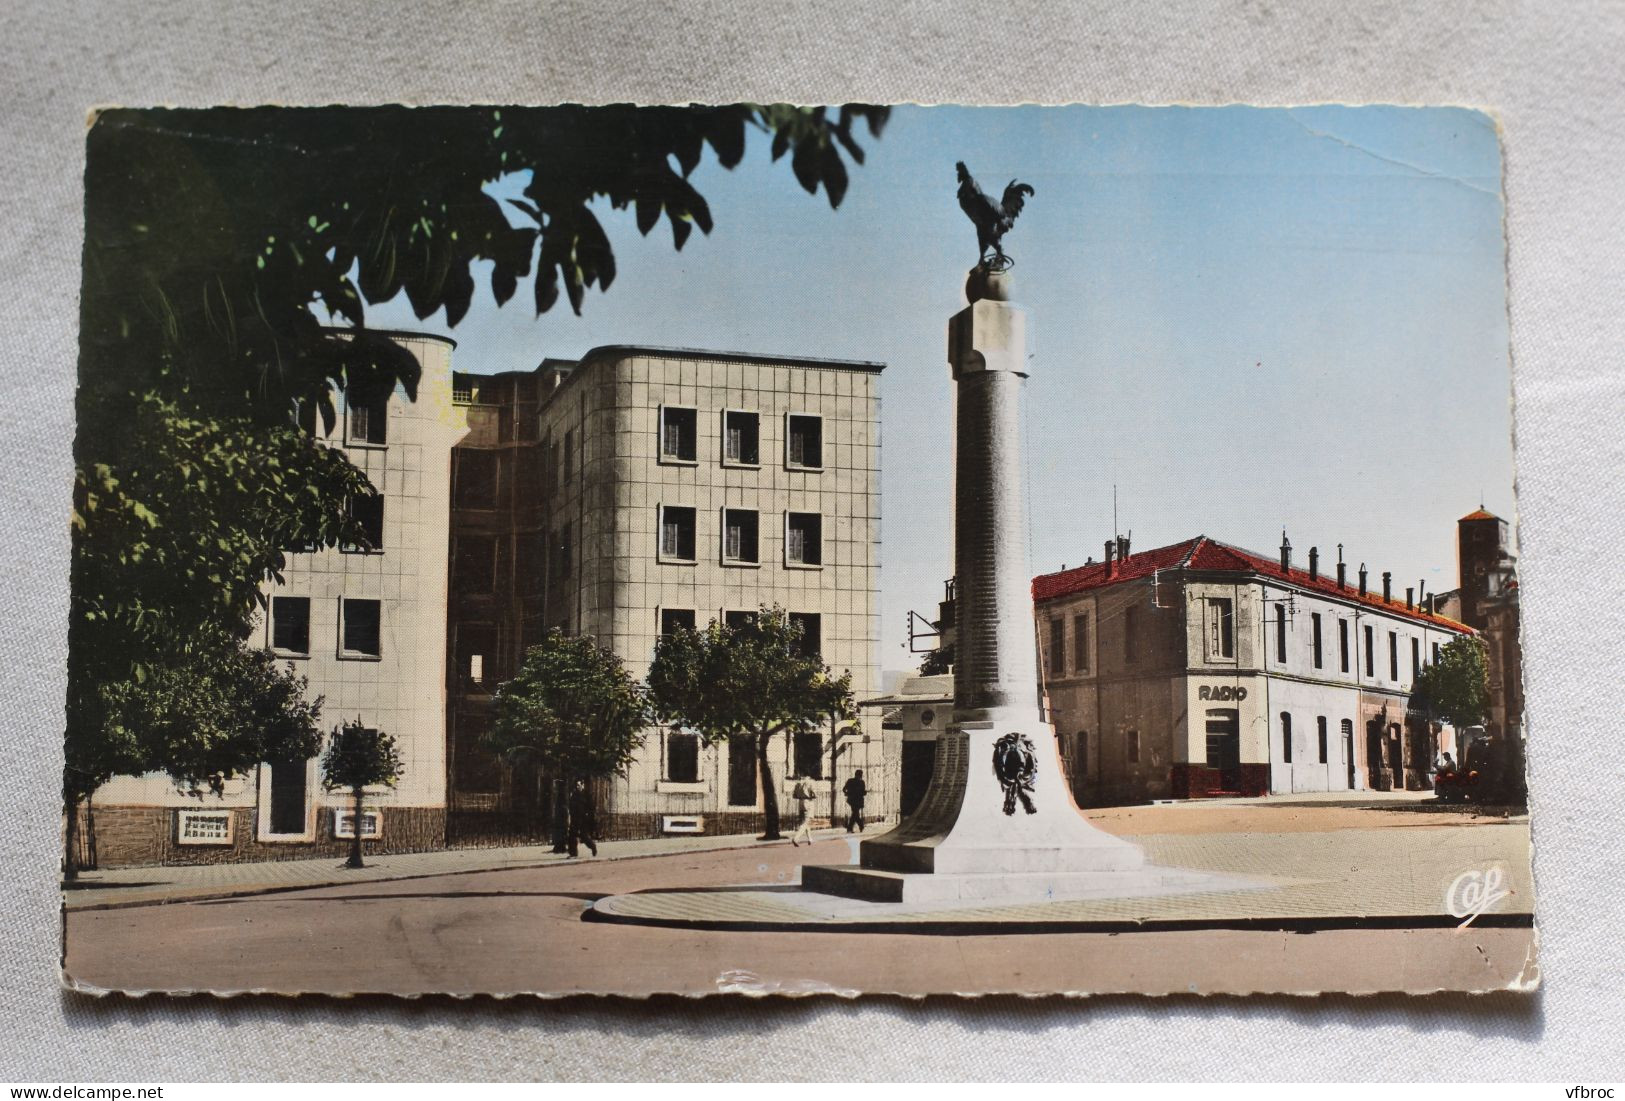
(642, 489)
(1200, 669)
(366, 626)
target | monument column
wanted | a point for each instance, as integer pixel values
(997, 822)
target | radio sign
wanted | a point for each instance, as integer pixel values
(1221, 692)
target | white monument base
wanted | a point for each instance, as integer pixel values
(960, 844)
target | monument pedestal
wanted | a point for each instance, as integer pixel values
(997, 823)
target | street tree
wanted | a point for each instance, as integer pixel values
(229, 259)
(754, 680)
(1455, 688)
(574, 711)
(358, 757)
(206, 717)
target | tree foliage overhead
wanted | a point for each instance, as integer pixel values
(223, 238)
(572, 708)
(229, 258)
(751, 681)
(1456, 687)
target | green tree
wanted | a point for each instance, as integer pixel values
(1455, 688)
(574, 711)
(212, 713)
(356, 757)
(229, 257)
(752, 681)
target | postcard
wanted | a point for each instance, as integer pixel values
(776, 549)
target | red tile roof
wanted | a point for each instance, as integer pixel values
(1208, 555)
(1478, 514)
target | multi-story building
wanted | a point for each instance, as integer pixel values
(366, 626)
(1200, 669)
(641, 489)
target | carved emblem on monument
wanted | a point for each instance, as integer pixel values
(1015, 763)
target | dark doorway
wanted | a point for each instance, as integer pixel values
(1224, 747)
(741, 772)
(1373, 756)
(1396, 760)
(919, 758)
(287, 796)
(1348, 749)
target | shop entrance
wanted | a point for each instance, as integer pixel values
(287, 797)
(1224, 747)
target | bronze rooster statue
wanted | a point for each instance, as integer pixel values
(992, 219)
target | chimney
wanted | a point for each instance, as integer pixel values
(1362, 578)
(1122, 545)
(1342, 570)
(1410, 597)
(1387, 586)
(1111, 555)
(1314, 563)
(1286, 551)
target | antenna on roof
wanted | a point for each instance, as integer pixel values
(1114, 510)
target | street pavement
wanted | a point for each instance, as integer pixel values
(520, 928)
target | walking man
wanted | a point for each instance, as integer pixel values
(802, 794)
(855, 791)
(583, 819)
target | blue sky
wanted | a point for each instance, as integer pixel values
(1246, 319)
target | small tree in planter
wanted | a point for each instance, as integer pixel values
(356, 756)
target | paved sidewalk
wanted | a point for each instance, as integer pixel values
(117, 887)
(1372, 874)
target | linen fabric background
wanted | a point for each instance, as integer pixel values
(1553, 82)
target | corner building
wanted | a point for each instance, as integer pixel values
(637, 490)
(366, 626)
(1200, 669)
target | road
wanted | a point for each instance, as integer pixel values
(520, 930)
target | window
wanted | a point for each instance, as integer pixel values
(555, 465)
(1416, 658)
(1370, 653)
(738, 621)
(1343, 645)
(1314, 625)
(203, 827)
(682, 757)
(741, 438)
(1080, 643)
(475, 563)
(476, 646)
(673, 620)
(812, 633)
(1435, 653)
(288, 781)
(1131, 747)
(1057, 647)
(1320, 734)
(1280, 633)
(803, 539)
(475, 478)
(564, 552)
(368, 512)
(1286, 737)
(1131, 632)
(361, 628)
(676, 533)
(1221, 628)
(528, 475)
(739, 535)
(809, 755)
(677, 435)
(804, 442)
(1393, 656)
(290, 624)
(369, 420)
(344, 823)
(567, 469)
